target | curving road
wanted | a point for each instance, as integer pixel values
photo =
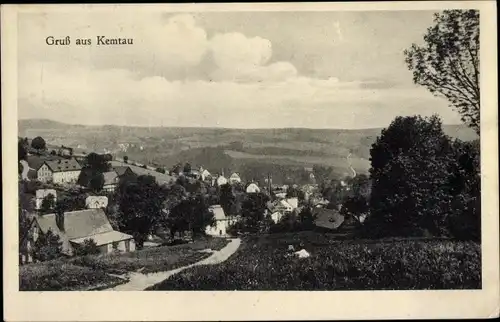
(139, 282)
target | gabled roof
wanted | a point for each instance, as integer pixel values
(35, 162)
(328, 218)
(77, 224)
(122, 170)
(161, 178)
(234, 176)
(110, 177)
(62, 165)
(218, 212)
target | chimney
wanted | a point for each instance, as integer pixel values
(60, 221)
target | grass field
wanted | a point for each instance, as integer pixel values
(263, 263)
(90, 272)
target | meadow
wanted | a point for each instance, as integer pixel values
(264, 263)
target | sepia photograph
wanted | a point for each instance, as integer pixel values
(250, 150)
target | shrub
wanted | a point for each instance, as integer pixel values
(89, 247)
(47, 247)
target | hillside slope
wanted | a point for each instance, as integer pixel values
(253, 152)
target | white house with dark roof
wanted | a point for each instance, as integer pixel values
(73, 228)
(59, 171)
(252, 188)
(221, 180)
(221, 222)
(111, 180)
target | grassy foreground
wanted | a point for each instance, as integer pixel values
(263, 263)
(91, 272)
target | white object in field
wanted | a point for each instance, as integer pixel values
(302, 253)
(96, 202)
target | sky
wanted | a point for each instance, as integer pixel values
(224, 69)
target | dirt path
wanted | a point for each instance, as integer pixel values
(139, 282)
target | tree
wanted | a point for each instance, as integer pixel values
(160, 170)
(227, 199)
(355, 206)
(176, 169)
(48, 246)
(48, 204)
(306, 219)
(89, 247)
(91, 175)
(22, 149)
(448, 63)
(38, 144)
(192, 215)
(187, 168)
(409, 163)
(125, 159)
(464, 186)
(252, 211)
(140, 206)
(96, 183)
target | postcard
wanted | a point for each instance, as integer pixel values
(261, 161)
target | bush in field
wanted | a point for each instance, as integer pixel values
(47, 247)
(409, 164)
(89, 247)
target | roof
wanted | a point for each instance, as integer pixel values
(161, 178)
(206, 173)
(253, 188)
(104, 238)
(284, 203)
(218, 212)
(294, 202)
(121, 170)
(234, 176)
(77, 224)
(328, 218)
(110, 177)
(35, 161)
(62, 165)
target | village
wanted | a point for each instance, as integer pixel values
(56, 174)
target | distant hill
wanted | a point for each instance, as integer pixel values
(252, 152)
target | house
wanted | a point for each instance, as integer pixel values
(221, 180)
(123, 171)
(96, 202)
(161, 178)
(234, 178)
(111, 180)
(40, 194)
(205, 175)
(73, 228)
(327, 219)
(253, 188)
(294, 202)
(221, 222)
(59, 171)
(65, 151)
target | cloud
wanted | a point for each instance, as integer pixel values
(92, 96)
(239, 58)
